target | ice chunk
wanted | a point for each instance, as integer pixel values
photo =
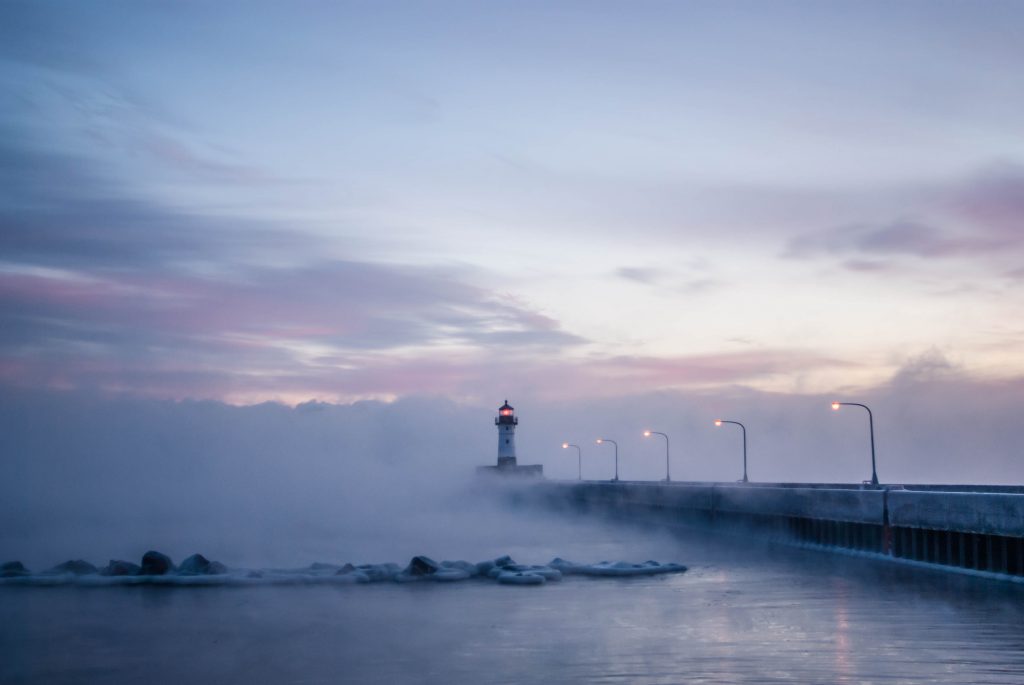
(379, 572)
(546, 571)
(466, 566)
(619, 568)
(352, 577)
(520, 578)
(485, 568)
(448, 575)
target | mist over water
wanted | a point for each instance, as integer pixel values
(110, 477)
(259, 485)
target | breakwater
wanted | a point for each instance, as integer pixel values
(974, 528)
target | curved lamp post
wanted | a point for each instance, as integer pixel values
(648, 434)
(601, 441)
(579, 456)
(871, 429)
(719, 422)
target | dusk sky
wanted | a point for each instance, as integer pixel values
(289, 201)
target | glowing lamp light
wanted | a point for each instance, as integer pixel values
(647, 434)
(718, 422)
(599, 441)
(565, 445)
(835, 405)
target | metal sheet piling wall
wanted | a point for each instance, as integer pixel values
(965, 527)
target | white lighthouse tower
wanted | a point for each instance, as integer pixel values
(506, 422)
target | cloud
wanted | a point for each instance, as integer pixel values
(101, 288)
(983, 214)
(56, 211)
(647, 276)
(993, 200)
(662, 278)
(868, 265)
(259, 326)
(899, 238)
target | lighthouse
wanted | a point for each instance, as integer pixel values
(506, 422)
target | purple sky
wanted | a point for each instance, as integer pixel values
(547, 201)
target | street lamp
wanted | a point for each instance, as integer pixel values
(871, 428)
(648, 434)
(719, 422)
(601, 441)
(579, 456)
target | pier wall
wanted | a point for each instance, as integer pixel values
(976, 528)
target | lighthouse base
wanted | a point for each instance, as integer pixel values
(507, 466)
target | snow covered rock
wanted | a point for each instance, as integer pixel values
(198, 565)
(78, 567)
(422, 566)
(155, 564)
(13, 569)
(120, 568)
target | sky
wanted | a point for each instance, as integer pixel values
(278, 201)
(616, 215)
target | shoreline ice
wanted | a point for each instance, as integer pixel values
(197, 571)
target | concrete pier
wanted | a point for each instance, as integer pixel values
(977, 528)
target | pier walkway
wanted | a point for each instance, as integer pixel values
(974, 528)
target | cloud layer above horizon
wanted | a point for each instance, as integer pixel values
(549, 201)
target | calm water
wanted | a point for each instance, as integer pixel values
(740, 615)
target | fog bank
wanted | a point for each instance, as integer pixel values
(102, 477)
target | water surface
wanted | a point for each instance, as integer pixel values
(740, 615)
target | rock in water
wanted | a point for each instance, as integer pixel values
(155, 564)
(422, 566)
(79, 567)
(13, 569)
(487, 568)
(120, 568)
(197, 564)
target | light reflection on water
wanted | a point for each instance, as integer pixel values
(740, 615)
